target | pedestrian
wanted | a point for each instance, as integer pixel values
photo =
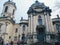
(7, 43)
(11, 43)
(18, 42)
(2, 42)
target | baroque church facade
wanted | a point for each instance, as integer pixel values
(38, 27)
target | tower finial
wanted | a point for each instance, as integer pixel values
(10, 0)
(36, 0)
(21, 18)
(57, 16)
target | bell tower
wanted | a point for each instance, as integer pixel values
(9, 8)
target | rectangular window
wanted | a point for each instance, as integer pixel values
(30, 36)
(23, 27)
(13, 12)
(47, 38)
(35, 36)
(19, 36)
(52, 36)
(6, 9)
(15, 38)
(16, 30)
(40, 21)
(23, 36)
(58, 27)
(58, 36)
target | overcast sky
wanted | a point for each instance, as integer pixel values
(23, 6)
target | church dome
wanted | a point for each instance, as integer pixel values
(37, 7)
(38, 4)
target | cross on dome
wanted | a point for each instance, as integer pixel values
(36, 1)
(10, 0)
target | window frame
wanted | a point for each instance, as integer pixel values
(15, 38)
(6, 8)
(23, 27)
(39, 20)
(16, 30)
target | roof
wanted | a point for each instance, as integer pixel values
(38, 5)
(6, 18)
(10, 2)
(56, 19)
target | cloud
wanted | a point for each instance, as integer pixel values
(57, 5)
(23, 6)
(56, 8)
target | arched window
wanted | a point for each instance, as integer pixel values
(6, 9)
(39, 20)
(23, 27)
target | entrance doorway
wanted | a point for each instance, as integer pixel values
(40, 33)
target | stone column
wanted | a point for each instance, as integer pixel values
(0, 28)
(47, 36)
(47, 29)
(5, 33)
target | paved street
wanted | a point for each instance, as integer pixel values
(14, 44)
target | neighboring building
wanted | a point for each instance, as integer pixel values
(37, 28)
(56, 23)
